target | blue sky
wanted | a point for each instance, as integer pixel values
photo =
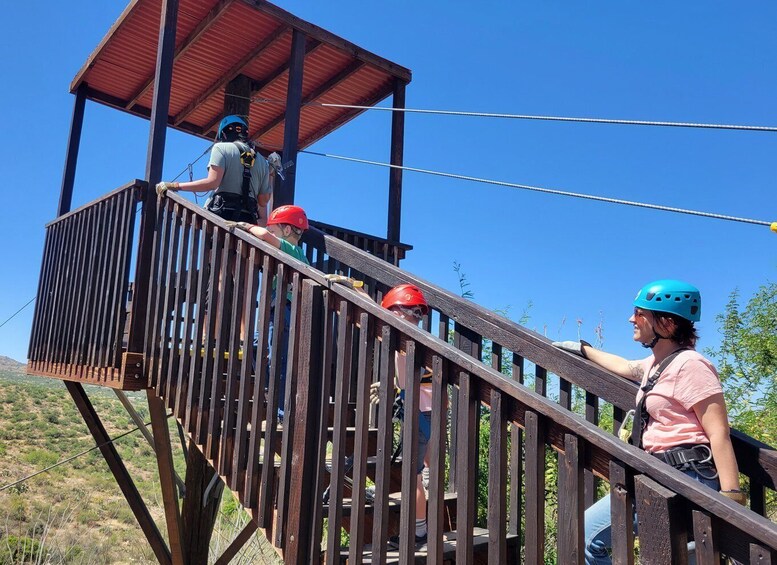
(572, 259)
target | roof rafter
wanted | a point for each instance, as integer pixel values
(230, 74)
(212, 17)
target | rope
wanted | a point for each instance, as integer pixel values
(19, 310)
(76, 456)
(500, 115)
(772, 225)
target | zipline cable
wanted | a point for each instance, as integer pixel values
(76, 456)
(500, 115)
(19, 310)
(772, 225)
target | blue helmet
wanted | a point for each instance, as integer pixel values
(671, 296)
(227, 121)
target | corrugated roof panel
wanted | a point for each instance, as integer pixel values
(217, 40)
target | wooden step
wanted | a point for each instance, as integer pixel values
(479, 541)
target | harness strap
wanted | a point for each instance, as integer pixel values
(247, 159)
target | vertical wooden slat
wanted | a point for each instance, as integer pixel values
(622, 512)
(176, 343)
(121, 280)
(761, 555)
(357, 530)
(158, 291)
(591, 415)
(342, 378)
(516, 461)
(94, 344)
(662, 525)
(168, 316)
(258, 395)
(245, 396)
(436, 450)
(535, 488)
(571, 502)
(385, 436)
(497, 481)
(190, 344)
(409, 455)
(307, 408)
(706, 550)
(466, 462)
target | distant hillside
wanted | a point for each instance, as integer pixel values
(11, 365)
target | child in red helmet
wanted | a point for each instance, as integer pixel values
(408, 302)
(285, 227)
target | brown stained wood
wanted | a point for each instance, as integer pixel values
(85, 325)
(342, 378)
(541, 380)
(257, 409)
(194, 396)
(164, 459)
(497, 481)
(385, 436)
(466, 485)
(157, 291)
(622, 512)
(436, 450)
(168, 343)
(233, 374)
(760, 555)
(189, 343)
(177, 350)
(571, 502)
(535, 488)
(516, 461)
(96, 345)
(271, 415)
(397, 152)
(662, 524)
(409, 454)
(246, 396)
(303, 494)
(284, 505)
(220, 301)
(706, 546)
(73, 295)
(360, 453)
(565, 393)
(62, 253)
(591, 415)
(120, 473)
(41, 299)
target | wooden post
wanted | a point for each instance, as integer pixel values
(284, 191)
(71, 157)
(662, 524)
(155, 159)
(397, 152)
(237, 99)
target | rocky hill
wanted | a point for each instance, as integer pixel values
(11, 365)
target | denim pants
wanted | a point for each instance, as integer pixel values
(598, 526)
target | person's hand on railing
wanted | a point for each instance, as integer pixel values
(245, 226)
(163, 187)
(346, 281)
(575, 347)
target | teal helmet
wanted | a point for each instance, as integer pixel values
(671, 296)
(228, 121)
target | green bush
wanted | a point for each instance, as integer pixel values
(18, 549)
(40, 457)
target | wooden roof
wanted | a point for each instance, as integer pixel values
(217, 40)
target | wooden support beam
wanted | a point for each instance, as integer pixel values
(71, 157)
(236, 69)
(120, 473)
(284, 191)
(662, 525)
(164, 459)
(237, 544)
(205, 24)
(397, 158)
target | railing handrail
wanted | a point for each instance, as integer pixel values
(324, 227)
(741, 518)
(141, 184)
(532, 346)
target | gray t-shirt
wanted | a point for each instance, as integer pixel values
(226, 155)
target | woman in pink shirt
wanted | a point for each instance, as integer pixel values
(681, 413)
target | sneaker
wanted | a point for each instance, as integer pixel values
(393, 541)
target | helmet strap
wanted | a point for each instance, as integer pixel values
(654, 341)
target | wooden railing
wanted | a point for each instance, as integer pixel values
(340, 342)
(202, 315)
(81, 306)
(390, 251)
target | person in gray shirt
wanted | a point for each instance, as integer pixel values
(232, 155)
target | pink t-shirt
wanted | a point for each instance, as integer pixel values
(689, 379)
(425, 397)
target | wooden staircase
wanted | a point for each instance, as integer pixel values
(201, 289)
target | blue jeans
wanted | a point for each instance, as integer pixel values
(598, 526)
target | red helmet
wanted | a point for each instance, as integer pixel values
(289, 214)
(408, 295)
